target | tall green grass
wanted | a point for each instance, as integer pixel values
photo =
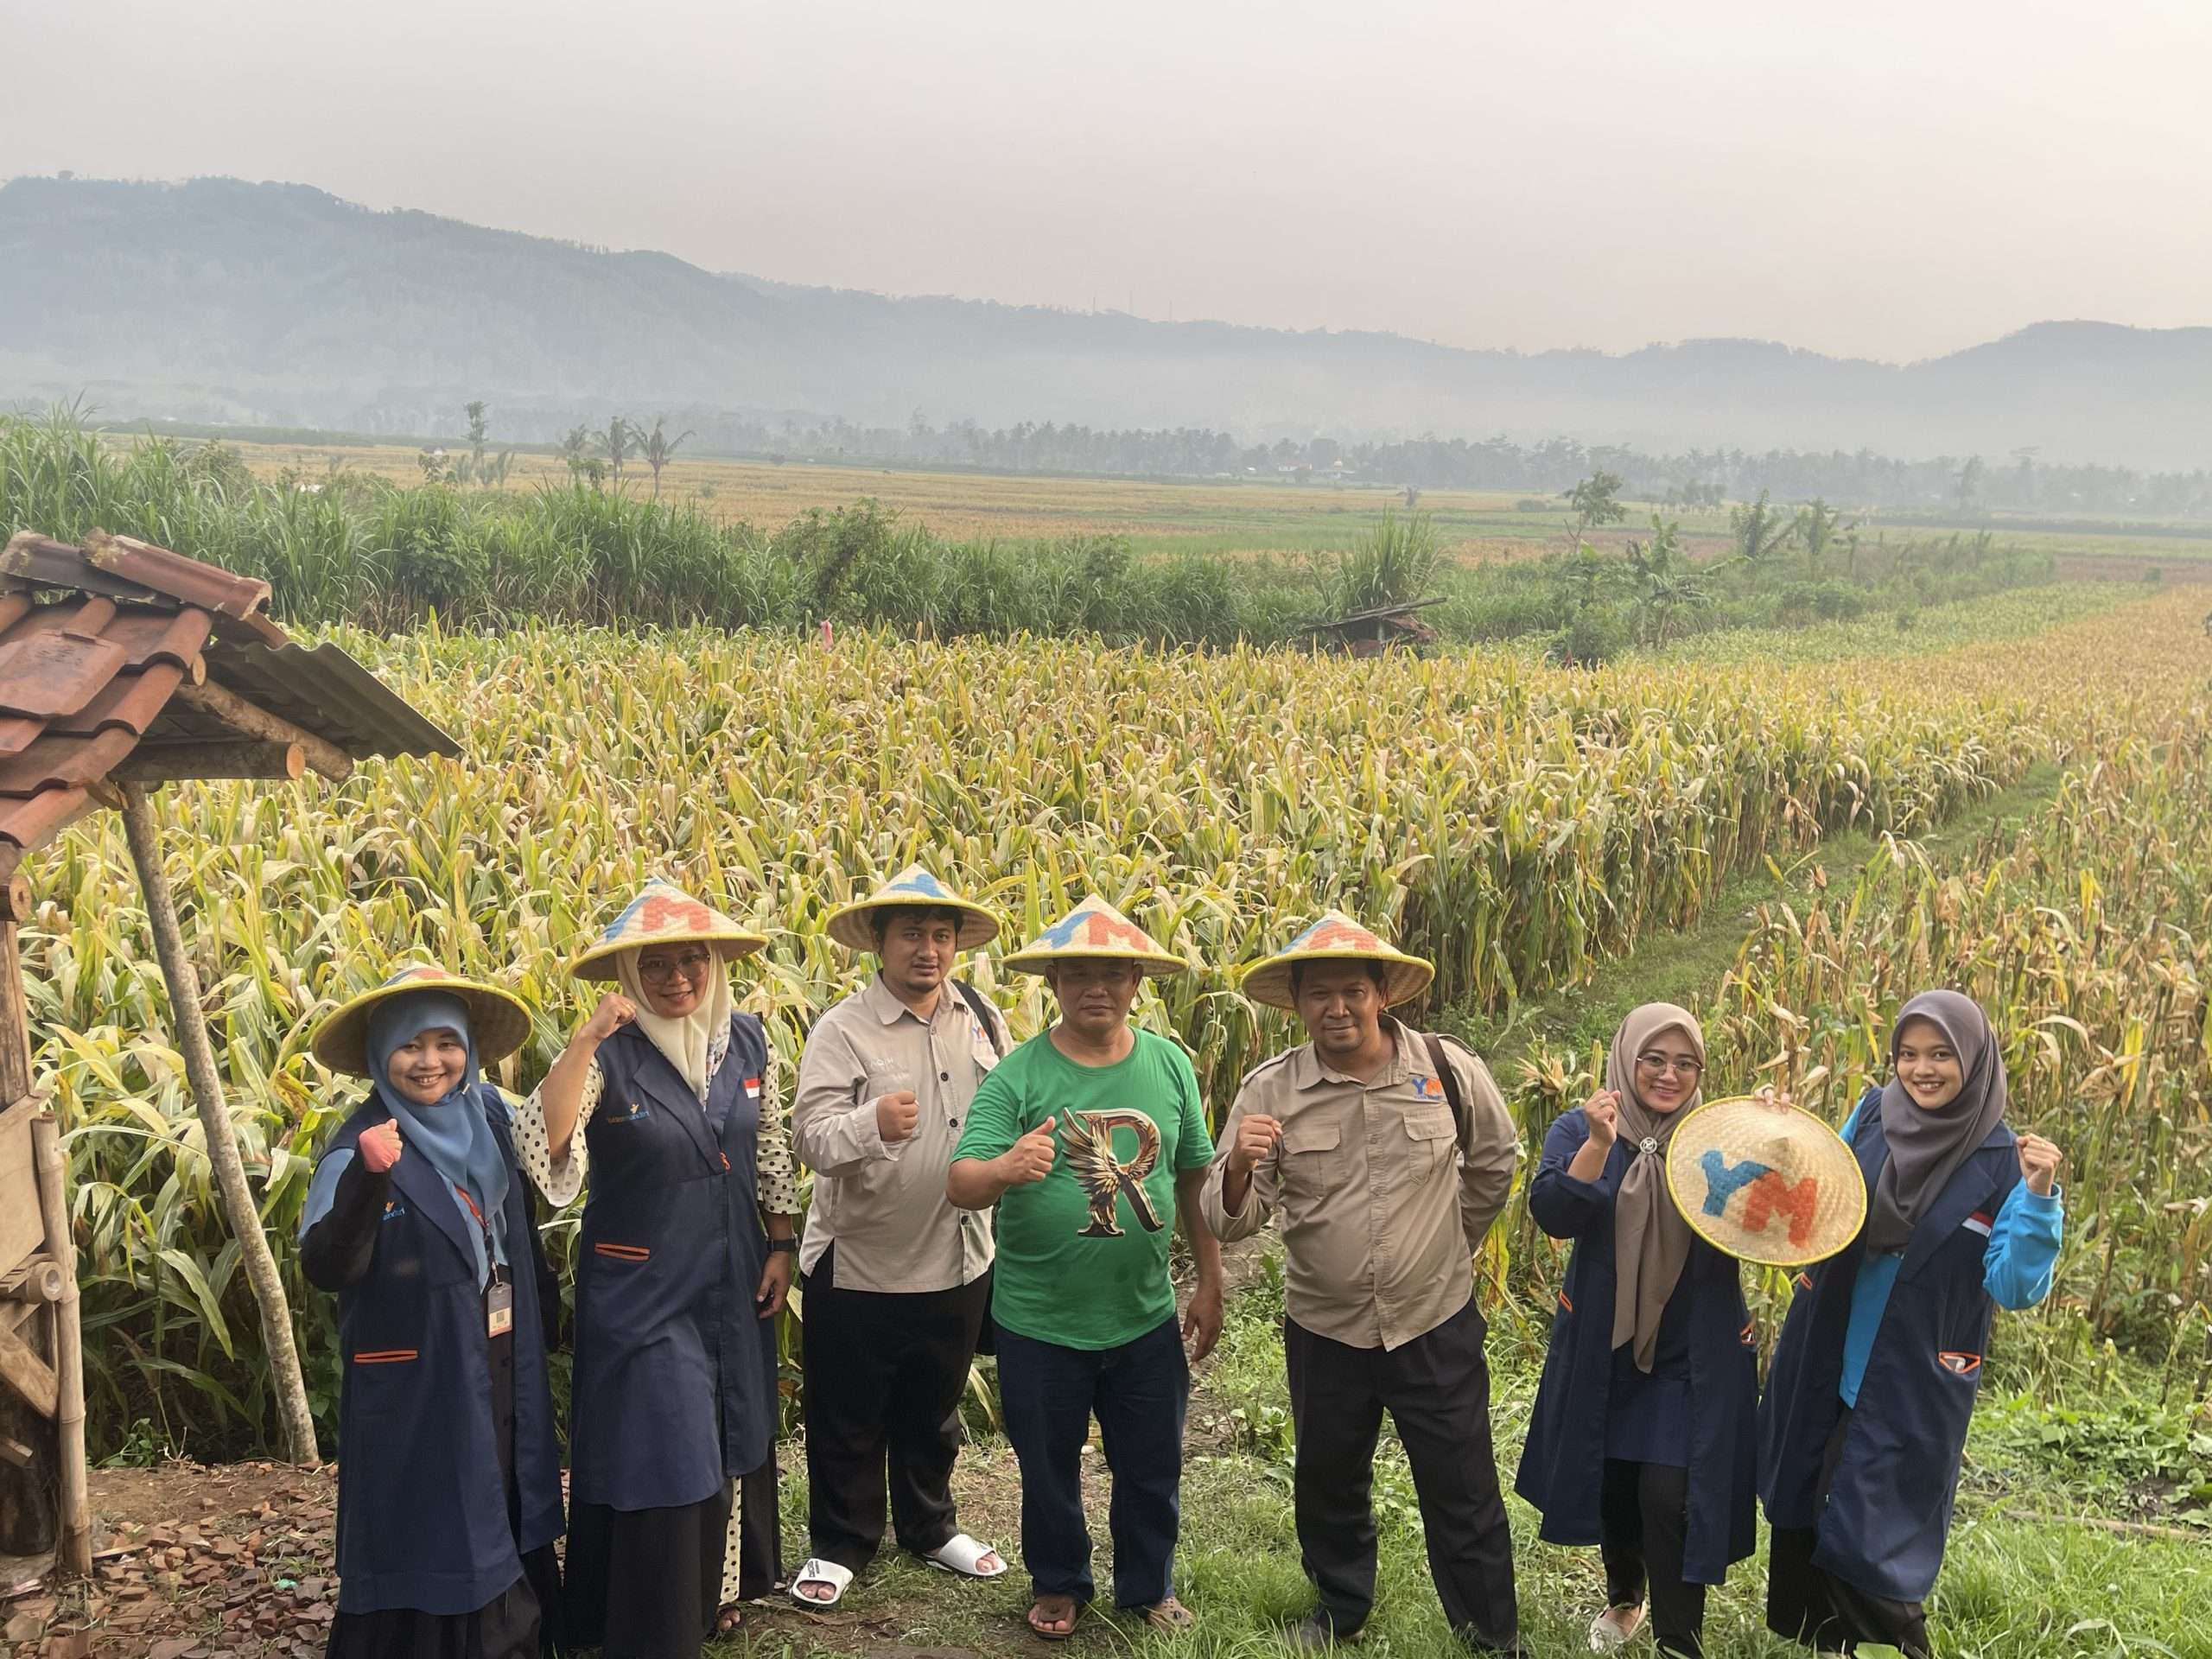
(345, 548)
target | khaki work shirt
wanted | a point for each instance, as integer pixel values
(883, 1203)
(1382, 1207)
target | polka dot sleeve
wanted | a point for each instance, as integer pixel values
(560, 1183)
(779, 1170)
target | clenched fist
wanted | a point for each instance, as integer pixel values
(1030, 1158)
(1603, 1109)
(614, 1011)
(381, 1146)
(2039, 1161)
(896, 1115)
(1255, 1137)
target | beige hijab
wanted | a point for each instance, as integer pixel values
(685, 1042)
(1650, 1239)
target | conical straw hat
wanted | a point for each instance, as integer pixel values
(912, 887)
(498, 1020)
(1763, 1181)
(663, 913)
(1336, 937)
(1095, 929)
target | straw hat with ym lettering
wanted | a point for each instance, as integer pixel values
(1763, 1181)
(1336, 937)
(852, 926)
(497, 1020)
(1094, 929)
(663, 913)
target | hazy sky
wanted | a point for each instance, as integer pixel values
(1882, 178)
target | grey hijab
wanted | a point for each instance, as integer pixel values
(1926, 1148)
(1650, 1239)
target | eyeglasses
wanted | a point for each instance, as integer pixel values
(658, 970)
(1659, 1065)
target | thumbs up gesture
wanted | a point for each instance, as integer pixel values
(1030, 1158)
(381, 1146)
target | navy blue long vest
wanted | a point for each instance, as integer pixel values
(1563, 1463)
(676, 1372)
(1888, 1507)
(421, 1510)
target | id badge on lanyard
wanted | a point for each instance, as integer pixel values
(498, 1289)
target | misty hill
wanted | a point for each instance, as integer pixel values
(278, 304)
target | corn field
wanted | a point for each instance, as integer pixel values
(1523, 826)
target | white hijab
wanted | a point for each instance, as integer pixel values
(686, 1041)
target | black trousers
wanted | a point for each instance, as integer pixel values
(1642, 1524)
(1809, 1606)
(884, 1376)
(1436, 1389)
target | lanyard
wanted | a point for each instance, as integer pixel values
(491, 1267)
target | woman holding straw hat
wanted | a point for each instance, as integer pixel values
(450, 1472)
(1868, 1401)
(662, 1095)
(1640, 1440)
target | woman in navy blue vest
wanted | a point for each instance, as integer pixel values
(662, 1095)
(449, 1471)
(1873, 1385)
(1640, 1440)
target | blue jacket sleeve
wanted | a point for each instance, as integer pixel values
(2015, 1269)
(1563, 1206)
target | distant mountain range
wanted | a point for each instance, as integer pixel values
(278, 304)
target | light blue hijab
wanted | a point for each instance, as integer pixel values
(451, 1133)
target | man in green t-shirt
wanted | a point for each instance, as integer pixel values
(1090, 1138)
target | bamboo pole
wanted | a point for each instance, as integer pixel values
(74, 1552)
(215, 1119)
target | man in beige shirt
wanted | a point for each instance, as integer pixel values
(1388, 1155)
(896, 1280)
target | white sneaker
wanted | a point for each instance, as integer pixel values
(1615, 1626)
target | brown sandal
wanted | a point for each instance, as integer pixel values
(1037, 1629)
(1170, 1615)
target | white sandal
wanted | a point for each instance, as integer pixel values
(839, 1579)
(1606, 1635)
(961, 1554)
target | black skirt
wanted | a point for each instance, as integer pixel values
(648, 1583)
(524, 1621)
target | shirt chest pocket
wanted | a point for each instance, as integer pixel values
(1434, 1138)
(1310, 1155)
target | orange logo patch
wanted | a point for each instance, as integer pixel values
(661, 914)
(1959, 1365)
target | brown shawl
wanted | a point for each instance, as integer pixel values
(1650, 1239)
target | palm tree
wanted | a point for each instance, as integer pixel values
(616, 439)
(659, 449)
(1667, 585)
(1818, 527)
(1760, 531)
(575, 449)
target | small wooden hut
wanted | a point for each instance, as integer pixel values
(123, 667)
(1371, 632)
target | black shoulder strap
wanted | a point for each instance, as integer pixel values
(981, 1010)
(1450, 1079)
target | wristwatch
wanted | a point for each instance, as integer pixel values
(789, 1246)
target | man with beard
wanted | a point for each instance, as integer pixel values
(897, 1281)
